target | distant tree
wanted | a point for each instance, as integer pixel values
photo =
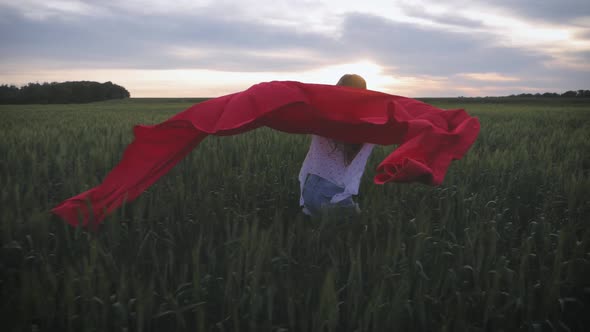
(67, 92)
(569, 93)
(8, 93)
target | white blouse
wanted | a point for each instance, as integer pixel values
(323, 160)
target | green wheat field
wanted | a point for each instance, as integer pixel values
(219, 243)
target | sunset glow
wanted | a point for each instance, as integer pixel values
(209, 83)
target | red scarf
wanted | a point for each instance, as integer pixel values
(429, 137)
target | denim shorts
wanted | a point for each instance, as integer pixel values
(317, 194)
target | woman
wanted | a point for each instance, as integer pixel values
(332, 170)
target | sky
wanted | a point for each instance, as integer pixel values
(202, 48)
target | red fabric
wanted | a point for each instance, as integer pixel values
(429, 138)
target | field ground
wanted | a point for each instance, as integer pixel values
(219, 244)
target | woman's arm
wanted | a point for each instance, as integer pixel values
(354, 173)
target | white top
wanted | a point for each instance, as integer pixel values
(323, 160)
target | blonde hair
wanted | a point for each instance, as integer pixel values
(350, 151)
(353, 81)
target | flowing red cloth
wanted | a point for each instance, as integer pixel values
(429, 137)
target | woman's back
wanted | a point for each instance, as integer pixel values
(327, 161)
(332, 170)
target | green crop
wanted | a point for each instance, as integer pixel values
(220, 244)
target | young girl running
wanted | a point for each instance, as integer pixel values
(332, 170)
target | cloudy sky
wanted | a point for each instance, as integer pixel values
(159, 48)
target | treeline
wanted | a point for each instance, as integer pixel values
(571, 93)
(61, 93)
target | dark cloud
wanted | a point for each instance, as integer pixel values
(447, 18)
(570, 80)
(146, 42)
(584, 34)
(581, 57)
(429, 51)
(563, 11)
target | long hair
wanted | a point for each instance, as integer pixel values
(350, 151)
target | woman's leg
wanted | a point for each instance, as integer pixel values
(311, 200)
(317, 194)
(346, 209)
